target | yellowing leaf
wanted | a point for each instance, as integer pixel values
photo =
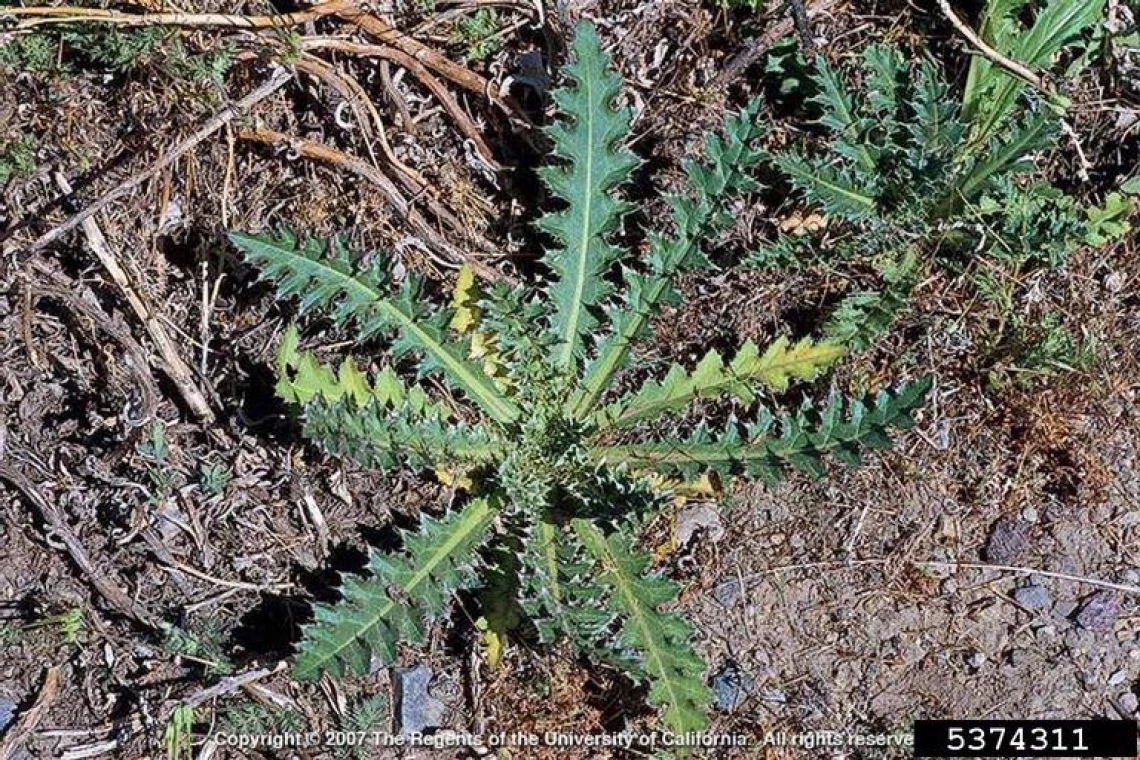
(465, 299)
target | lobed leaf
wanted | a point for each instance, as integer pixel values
(595, 166)
(775, 368)
(661, 641)
(325, 277)
(401, 596)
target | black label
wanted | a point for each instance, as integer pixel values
(1025, 738)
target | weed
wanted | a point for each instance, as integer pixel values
(177, 738)
(207, 647)
(35, 53)
(251, 718)
(911, 174)
(553, 465)
(480, 32)
(70, 625)
(365, 717)
(162, 476)
(214, 477)
(18, 158)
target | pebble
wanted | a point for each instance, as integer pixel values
(699, 517)
(1128, 702)
(1099, 611)
(419, 710)
(1009, 538)
(8, 709)
(1032, 597)
(1117, 678)
(977, 660)
(727, 591)
(731, 685)
(950, 586)
(1030, 515)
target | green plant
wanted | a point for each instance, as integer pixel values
(554, 465)
(69, 625)
(246, 718)
(991, 95)
(207, 647)
(480, 32)
(214, 477)
(364, 718)
(18, 158)
(177, 737)
(909, 174)
(162, 476)
(34, 52)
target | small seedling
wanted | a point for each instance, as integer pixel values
(480, 32)
(177, 738)
(18, 158)
(214, 477)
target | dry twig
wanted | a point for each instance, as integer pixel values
(762, 44)
(413, 64)
(176, 369)
(1015, 68)
(39, 15)
(327, 154)
(219, 120)
(53, 517)
(19, 733)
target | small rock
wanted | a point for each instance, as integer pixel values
(8, 709)
(1117, 678)
(1128, 702)
(698, 517)
(1032, 597)
(1064, 609)
(727, 591)
(1099, 611)
(1009, 538)
(977, 660)
(1131, 575)
(1030, 515)
(731, 685)
(775, 695)
(419, 710)
(950, 586)
(1045, 632)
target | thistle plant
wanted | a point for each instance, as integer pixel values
(553, 466)
(912, 172)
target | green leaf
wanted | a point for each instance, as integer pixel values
(775, 368)
(403, 594)
(991, 93)
(723, 174)
(595, 166)
(661, 640)
(411, 433)
(326, 278)
(769, 447)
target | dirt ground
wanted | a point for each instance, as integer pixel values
(858, 603)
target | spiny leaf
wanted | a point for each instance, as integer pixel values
(302, 378)
(401, 596)
(991, 93)
(661, 640)
(723, 174)
(408, 435)
(775, 368)
(325, 277)
(595, 166)
(770, 446)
